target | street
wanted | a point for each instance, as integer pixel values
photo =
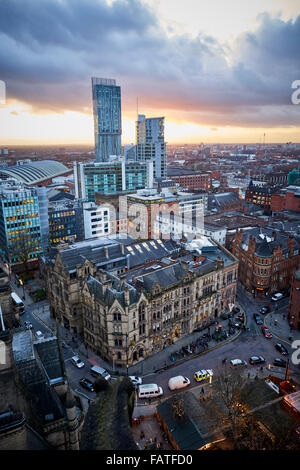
(249, 343)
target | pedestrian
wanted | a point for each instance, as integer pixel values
(202, 391)
(248, 375)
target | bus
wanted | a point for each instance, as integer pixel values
(18, 303)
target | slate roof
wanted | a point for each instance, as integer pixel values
(265, 242)
(109, 295)
(165, 277)
(138, 253)
(218, 199)
(193, 430)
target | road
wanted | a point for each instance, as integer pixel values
(249, 343)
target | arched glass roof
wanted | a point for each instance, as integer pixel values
(35, 172)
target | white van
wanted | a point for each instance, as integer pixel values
(178, 382)
(96, 371)
(149, 391)
(237, 362)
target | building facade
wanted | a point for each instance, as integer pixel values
(194, 181)
(294, 305)
(96, 220)
(110, 177)
(24, 227)
(128, 301)
(107, 118)
(65, 221)
(286, 199)
(150, 143)
(267, 259)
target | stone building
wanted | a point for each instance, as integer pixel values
(37, 408)
(128, 301)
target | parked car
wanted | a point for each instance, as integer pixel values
(136, 380)
(266, 332)
(265, 309)
(237, 362)
(236, 310)
(87, 384)
(28, 325)
(196, 330)
(39, 335)
(281, 348)
(178, 382)
(203, 374)
(234, 323)
(258, 319)
(277, 296)
(280, 362)
(256, 360)
(77, 362)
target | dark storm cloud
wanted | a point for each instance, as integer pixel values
(49, 50)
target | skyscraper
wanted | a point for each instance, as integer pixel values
(107, 118)
(150, 143)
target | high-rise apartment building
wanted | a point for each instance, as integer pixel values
(111, 177)
(150, 143)
(107, 118)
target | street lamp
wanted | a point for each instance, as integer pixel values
(8, 267)
(22, 284)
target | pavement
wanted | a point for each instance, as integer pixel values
(278, 324)
(160, 360)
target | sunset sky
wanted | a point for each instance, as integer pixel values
(218, 70)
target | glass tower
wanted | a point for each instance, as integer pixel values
(107, 118)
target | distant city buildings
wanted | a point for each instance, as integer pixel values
(193, 181)
(286, 199)
(107, 118)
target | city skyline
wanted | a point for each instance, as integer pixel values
(206, 68)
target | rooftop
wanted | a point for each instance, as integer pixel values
(35, 172)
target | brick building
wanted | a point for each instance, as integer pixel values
(287, 199)
(267, 259)
(194, 180)
(260, 195)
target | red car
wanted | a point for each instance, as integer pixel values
(266, 332)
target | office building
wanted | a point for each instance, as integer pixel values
(107, 118)
(150, 143)
(65, 221)
(24, 228)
